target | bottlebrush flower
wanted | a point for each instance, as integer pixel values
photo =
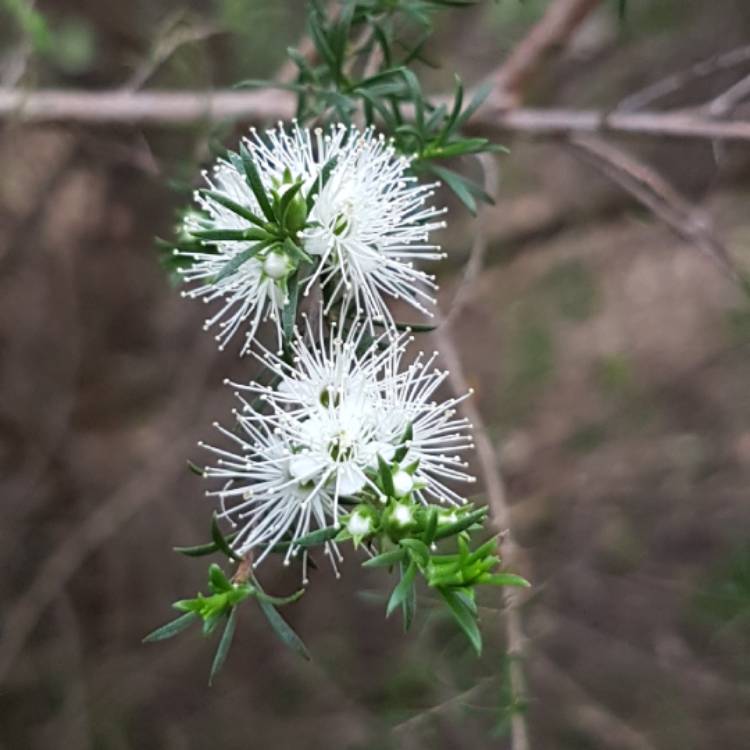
(355, 222)
(342, 410)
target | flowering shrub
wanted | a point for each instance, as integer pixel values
(343, 439)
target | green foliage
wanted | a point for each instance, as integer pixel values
(221, 605)
(342, 84)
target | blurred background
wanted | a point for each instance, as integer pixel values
(610, 358)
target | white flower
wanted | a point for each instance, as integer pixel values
(368, 224)
(345, 402)
(371, 224)
(256, 290)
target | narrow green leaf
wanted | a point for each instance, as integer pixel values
(310, 540)
(458, 185)
(289, 311)
(320, 183)
(400, 453)
(230, 235)
(402, 588)
(418, 551)
(283, 630)
(409, 608)
(431, 526)
(195, 469)
(200, 550)
(217, 579)
(238, 260)
(255, 183)
(220, 540)
(464, 617)
(506, 579)
(386, 477)
(171, 629)
(481, 93)
(385, 559)
(278, 601)
(237, 208)
(224, 645)
(475, 516)
(458, 101)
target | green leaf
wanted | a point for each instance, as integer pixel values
(409, 608)
(458, 101)
(255, 183)
(481, 93)
(278, 601)
(458, 185)
(321, 182)
(201, 550)
(171, 629)
(230, 235)
(402, 588)
(386, 477)
(238, 208)
(220, 540)
(385, 559)
(463, 616)
(431, 526)
(224, 644)
(475, 516)
(217, 579)
(238, 260)
(289, 311)
(418, 551)
(283, 630)
(309, 540)
(195, 469)
(400, 453)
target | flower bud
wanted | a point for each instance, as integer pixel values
(276, 266)
(403, 483)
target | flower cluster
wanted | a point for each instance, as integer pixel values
(344, 437)
(343, 408)
(336, 207)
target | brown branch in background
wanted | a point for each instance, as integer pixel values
(182, 108)
(560, 20)
(724, 104)
(498, 503)
(649, 188)
(489, 468)
(682, 79)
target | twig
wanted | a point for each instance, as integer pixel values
(683, 78)
(725, 103)
(180, 108)
(552, 30)
(491, 476)
(649, 188)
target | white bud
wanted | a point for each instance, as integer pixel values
(276, 265)
(403, 483)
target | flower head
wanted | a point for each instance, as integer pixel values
(333, 419)
(355, 217)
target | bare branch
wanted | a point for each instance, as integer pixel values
(180, 108)
(669, 85)
(726, 103)
(552, 30)
(649, 188)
